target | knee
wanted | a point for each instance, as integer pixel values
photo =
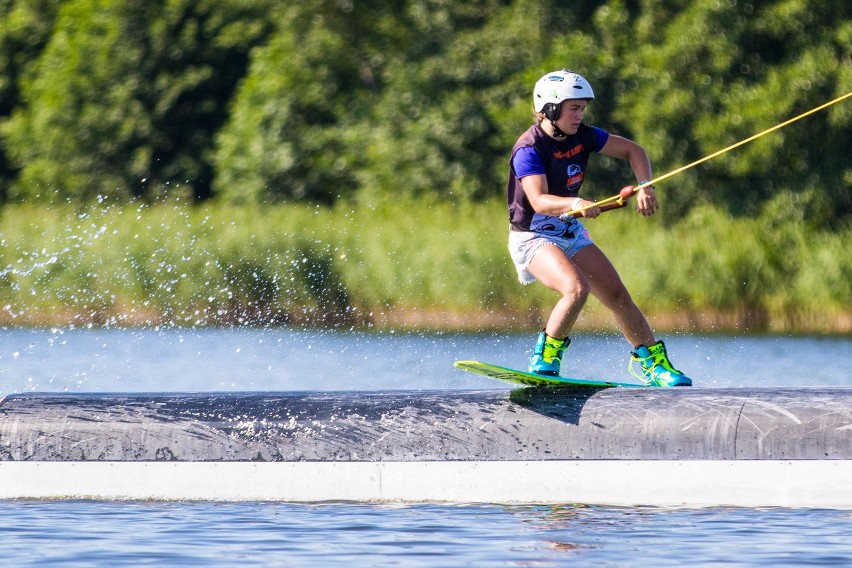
(576, 290)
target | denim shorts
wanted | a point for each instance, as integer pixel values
(524, 244)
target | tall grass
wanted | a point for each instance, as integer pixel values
(400, 262)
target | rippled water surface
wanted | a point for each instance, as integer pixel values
(88, 533)
(84, 533)
(278, 359)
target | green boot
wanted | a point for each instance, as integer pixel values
(655, 368)
(547, 356)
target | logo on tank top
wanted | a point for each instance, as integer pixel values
(575, 177)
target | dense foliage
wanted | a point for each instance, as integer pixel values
(269, 100)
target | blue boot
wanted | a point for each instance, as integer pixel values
(547, 356)
(655, 368)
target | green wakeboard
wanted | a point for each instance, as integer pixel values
(531, 379)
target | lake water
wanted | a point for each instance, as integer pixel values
(88, 533)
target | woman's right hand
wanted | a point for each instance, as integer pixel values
(590, 213)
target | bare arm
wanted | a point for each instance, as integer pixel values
(624, 149)
(535, 188)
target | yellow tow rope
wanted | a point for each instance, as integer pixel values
(620, 200)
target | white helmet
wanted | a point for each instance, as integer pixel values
(556, 87)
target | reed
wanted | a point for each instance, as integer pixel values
(401, 262)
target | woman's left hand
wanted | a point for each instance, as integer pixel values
(646, 201)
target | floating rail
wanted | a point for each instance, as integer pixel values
(672, 447)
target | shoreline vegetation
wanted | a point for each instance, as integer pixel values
(190, 164)
(407, 264)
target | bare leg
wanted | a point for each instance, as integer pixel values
(607, 287)
(552, 268)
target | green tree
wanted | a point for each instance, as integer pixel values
(267, 100)
(125, 98)
(25, 27)
(379, 98)
(453, 109)
(706, 74)
(293, 131)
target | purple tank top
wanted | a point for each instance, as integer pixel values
(564, 164)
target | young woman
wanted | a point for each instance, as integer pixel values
(547, 168)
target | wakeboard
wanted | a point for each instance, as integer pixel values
(531, 379)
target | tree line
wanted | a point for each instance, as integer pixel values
(270, 101)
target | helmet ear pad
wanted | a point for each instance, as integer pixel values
(551, 111)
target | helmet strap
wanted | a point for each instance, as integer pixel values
(551, 113)
(557, 133)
